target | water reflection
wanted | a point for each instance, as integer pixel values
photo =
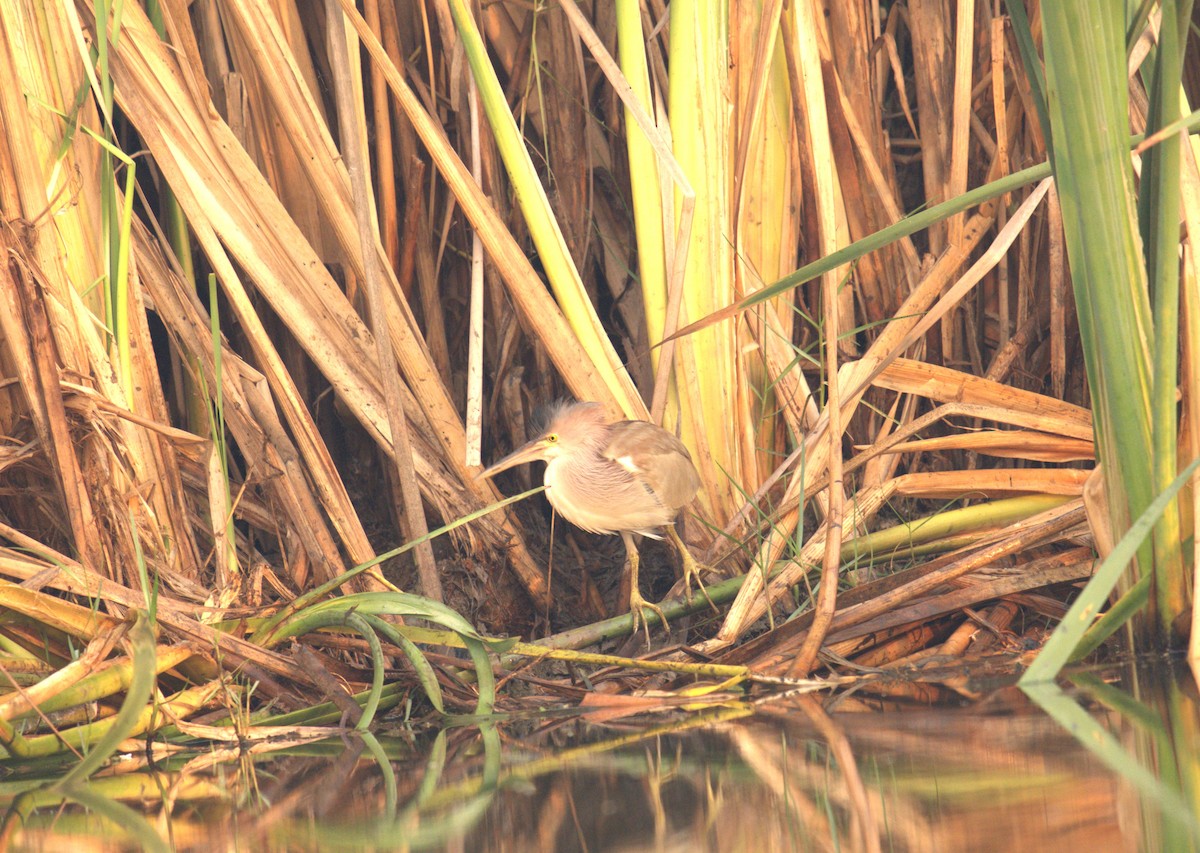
(778, 774)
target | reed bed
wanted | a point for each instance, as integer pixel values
(280, 276)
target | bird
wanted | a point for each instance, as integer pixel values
(625, 477)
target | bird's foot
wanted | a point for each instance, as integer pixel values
(637, 609)
(691, 572)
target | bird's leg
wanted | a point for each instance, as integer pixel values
(637, 604)
(691, 568)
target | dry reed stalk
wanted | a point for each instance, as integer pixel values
(995, 621)
(354, 133)
(928, 23)
(1016, 444)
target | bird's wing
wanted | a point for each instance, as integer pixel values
(656, 458)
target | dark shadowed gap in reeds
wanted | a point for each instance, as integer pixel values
(915, 274)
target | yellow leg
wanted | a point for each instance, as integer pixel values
(638, 605)
(691, 569)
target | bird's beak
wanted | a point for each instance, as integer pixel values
(526, 453)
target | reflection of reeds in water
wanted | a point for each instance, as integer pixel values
(790, 778)
(942, 781)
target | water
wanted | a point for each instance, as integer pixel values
(872, 770)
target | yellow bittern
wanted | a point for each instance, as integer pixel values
(626, 477)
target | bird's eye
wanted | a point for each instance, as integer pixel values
(552, 438)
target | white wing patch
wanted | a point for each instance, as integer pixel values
(628, 464)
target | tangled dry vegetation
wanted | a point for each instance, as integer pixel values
(210, 227)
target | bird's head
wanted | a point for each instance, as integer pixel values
(572, 430)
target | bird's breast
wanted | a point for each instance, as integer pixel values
(602, 497)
